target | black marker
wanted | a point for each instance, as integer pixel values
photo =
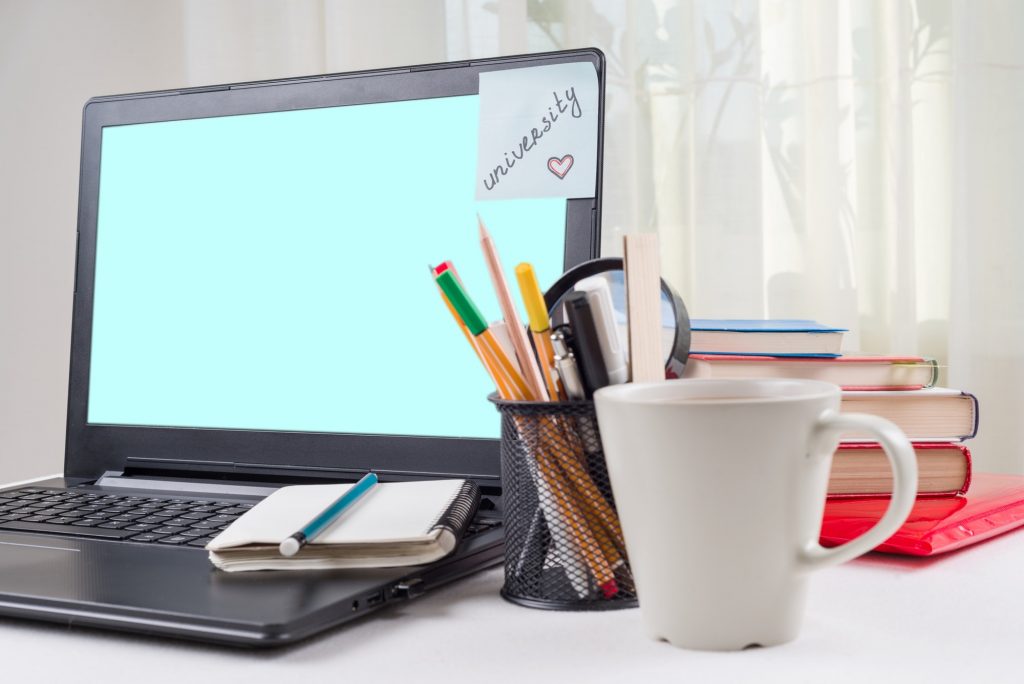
(588, 348)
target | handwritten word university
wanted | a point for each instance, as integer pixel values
(528, 142)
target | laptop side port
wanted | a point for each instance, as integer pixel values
(408, 589)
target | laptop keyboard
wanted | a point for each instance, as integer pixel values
(147, 520)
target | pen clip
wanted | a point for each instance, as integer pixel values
(565, 363)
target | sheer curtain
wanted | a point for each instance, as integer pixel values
(861, 163)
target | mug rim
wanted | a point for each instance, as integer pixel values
(786, 390)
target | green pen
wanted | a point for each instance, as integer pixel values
(477, 326)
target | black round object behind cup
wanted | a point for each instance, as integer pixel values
(675, 319)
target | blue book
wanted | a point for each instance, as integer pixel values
(771, 337)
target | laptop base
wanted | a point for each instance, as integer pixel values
(176, 592)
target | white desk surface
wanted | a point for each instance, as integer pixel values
(955, 618)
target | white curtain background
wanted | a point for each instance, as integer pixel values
(860, 163)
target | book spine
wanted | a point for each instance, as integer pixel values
(457, 515)
(970, 469)
(974, 430)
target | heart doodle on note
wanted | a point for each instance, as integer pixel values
(560, 167)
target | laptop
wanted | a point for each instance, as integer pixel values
(252, 309)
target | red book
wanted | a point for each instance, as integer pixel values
(862, 469)
(849, 372)
(994, 505)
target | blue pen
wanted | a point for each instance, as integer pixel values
(312, 529)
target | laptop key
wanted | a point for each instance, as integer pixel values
(113, 525)
(201, 542)
(205, 525)
(128, 517)
(146, 537)
(36, 518)
(152, 519)
(86, 522)
(177, 522)
(169, 530)
(174, 539)
(140, 528)
(23, 526)
(222, 518)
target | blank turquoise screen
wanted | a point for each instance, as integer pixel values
(270, 271)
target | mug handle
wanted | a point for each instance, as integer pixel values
(901, 455)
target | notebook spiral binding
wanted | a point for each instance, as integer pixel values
(459, 511)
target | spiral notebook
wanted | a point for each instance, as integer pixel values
(395, 524)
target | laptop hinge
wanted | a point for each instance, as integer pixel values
(279, 475)
(116, 480)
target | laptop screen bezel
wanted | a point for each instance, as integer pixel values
(93, 449)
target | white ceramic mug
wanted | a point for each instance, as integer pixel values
(720, 486)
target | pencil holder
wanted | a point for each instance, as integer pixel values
(563, 543)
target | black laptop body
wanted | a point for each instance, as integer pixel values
(156, 465)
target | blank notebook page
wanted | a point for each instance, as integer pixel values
(390, 512)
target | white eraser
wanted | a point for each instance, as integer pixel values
(289, 547)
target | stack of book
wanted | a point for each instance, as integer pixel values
(899, 388)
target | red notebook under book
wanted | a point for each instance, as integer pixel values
(994, 504)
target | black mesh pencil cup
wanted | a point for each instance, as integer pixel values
(563, 543)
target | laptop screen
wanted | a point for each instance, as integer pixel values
(270, 271)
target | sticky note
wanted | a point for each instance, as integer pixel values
(538, 132)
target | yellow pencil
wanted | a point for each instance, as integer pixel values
(540, 326)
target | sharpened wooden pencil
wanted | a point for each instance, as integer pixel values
(516, 331)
